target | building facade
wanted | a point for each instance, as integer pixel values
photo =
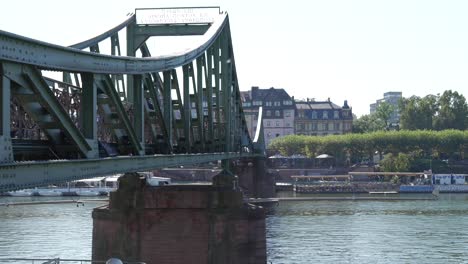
(321, 118)
(393, 99)
(278, 112)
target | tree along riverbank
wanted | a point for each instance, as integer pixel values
(424, 148)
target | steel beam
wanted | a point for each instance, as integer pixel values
(171, 30)
(89, 112)
(20, 175)
(167, 104)
(32, 81)
(106, 85)
(217, 88)
(138, 110)
(54, 57)
(6, 150)
(209, 89)
(226, 89)
(201, 115)
(187, 108)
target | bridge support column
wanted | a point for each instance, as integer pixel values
(204, 224)
(89, 113)
(254, 178)
(6, 149)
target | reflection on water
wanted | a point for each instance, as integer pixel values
(428, 231)
(45, 231)
(370, 231)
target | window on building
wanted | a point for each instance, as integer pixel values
(246, 104)
(336, 114)
(277, 113)
(337, 126)
(257, 102)
(320, 126)
(268, 123)
(287, 113)
(268, 113)
(325, 115)
(300, 114)
(288, 124)
(268, 103)
(277, 103)
(345, 113)
(314, 126)
(277, 123)
(314, 114)
(277, 135)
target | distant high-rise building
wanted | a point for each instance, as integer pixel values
(391, 98)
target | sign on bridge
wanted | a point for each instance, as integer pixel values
(155, 16)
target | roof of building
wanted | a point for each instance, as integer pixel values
(316, 105)
(270, 94)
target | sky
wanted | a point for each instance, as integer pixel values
(353, 50)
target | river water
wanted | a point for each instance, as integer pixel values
(430, 231)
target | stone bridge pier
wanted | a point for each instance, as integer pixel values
(254, 178)
(197, 224)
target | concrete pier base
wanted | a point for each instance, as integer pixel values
(254, 178)
(178, 224)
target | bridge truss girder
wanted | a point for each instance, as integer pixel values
(155, 111)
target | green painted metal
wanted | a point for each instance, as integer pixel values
(6, 150)
(196, 100)
(20, 175)
(131, 52)
(209, 88)
(226, 90)
(177, 106)
(105, 84)
(158, 118)
(167, 103)
(188, 131)
(138, 109)
(89, 110)
(200, 112)
(117, 78)
(173, 30)
(44, 108)
(217, 88)
(69, 59)
(152, 89)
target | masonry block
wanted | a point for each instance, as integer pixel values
(178, 224)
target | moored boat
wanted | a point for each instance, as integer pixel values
(20, 193)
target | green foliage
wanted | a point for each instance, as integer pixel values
(368, 123)
(419, 143)
(453, 112)
(384, 112)
(449, 111)
(392, 163)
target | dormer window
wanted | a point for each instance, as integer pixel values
(336, 115)
(314, 114)
(325, 114)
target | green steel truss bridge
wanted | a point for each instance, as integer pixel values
(108, 113)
